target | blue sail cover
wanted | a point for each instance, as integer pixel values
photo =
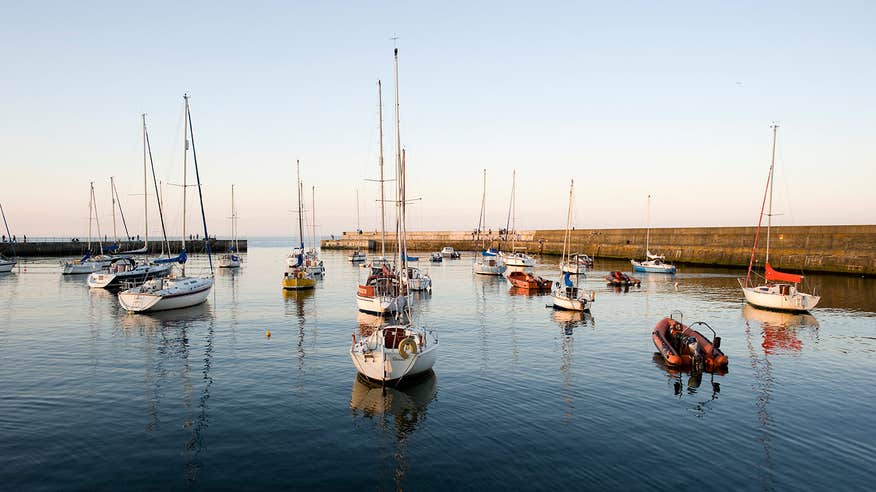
(489, 252)
(180, 258)
(300, 259)
(110, 248)
(86, 257)
(567, 280)
(413, 258)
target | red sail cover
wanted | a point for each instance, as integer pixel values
(780, 276)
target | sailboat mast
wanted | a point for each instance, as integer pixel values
(648, 230)
(145, 191)
(399, 167)
(233, 221)
(8, 234)
(121, 212)
(313, 214)
(760, 217)
(198, 181)
(510, 203)
(300, 217)
(567, 236)
(113, 200)
(382, 197)
(770, 209)
(182, 238)
(358, 222)
(166, 244)
(483, 217)
(90, 212)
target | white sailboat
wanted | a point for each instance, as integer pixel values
(125, 272)
(358, 255)
(568, 295)
(517, 257)
(382, 292)
(88, 263)
(312, 262)
(231, 259)
(779, 290)
(176, 291)
(652, 263)
(7, 264)
(390, 353)
(488, 262)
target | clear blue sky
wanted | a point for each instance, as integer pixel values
(669, 98)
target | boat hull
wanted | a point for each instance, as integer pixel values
(388, 365)
(140, 302)
(229, 262)
(381, 304)
(646, 268)
(574, 269)
(81, 268)
(569, 303)
(713, 358)
(6, 266)
(294, 283)
(781, 297)
(486, 269)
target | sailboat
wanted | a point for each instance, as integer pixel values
(124, 271)
(516, 257)
(488, 262)
(312, 262)
(568, 295)
(176, 291)
(7, 264)
(652, 263)
(358, 255)
(296, 276)
(382, 293)
(231, 259)
(389, 353)
(412, 277)
(88, 263)
(779, 291)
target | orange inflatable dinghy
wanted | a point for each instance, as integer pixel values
(682, 346)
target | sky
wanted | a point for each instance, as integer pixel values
(671, 99)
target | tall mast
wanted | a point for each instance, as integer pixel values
(118, 200)
(762, 205)
(399, 167)
(510, 203)
(145, 191)
(8, 234)
(166, 244)
(648, 230)
(770, 183)
(483, 217)
(568, 235)
(233, 221)
(113, 200)
(200, 192)
(182, 238)
(90, 212)
(358, 226)
(96, 220)
(300, 199)
(313, 214)
(382, 198)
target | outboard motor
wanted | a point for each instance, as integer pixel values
(696, 357)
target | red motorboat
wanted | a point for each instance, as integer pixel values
(621, 279)
(528, 281)
(682, 346)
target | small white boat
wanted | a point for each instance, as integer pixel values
(417, 280)
(449, 252)
(6, 265)
(391, 353)
(779, 291)
(652, 263)
(567, 295)
(313, 264)
(489, 263)
(381, 294)
(517, 259)
(88, 263)
(231, 259)
(356, 257)
(576, 264)
(161, 294)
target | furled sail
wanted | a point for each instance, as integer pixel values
(781, 276)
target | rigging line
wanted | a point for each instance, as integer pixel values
(200, 193)
(157, 192)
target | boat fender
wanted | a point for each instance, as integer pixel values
(402, 347)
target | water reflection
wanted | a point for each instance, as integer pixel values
(398, 412)
(780, 330)
(692, 386)
(568, 321)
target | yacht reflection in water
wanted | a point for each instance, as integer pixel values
(780, 329)
(568, 321)
(397, 411)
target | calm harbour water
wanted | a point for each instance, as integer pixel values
(521, 396)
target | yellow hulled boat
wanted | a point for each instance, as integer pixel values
(297, 279)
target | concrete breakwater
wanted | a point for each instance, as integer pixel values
(847, 249)
(78, 248)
